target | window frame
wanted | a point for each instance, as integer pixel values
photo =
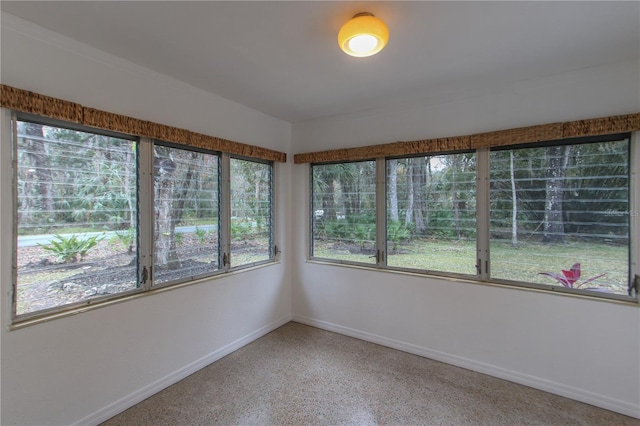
(151, 223)
(145, 218)
(483, 256)
(30, 118)
(378, 182)
(273, 248)
(432, 272)
(633, 244)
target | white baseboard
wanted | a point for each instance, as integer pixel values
(577, 394)
(132, 399)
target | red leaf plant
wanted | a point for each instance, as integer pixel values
(569, 278)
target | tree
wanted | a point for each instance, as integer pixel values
(428, 190)
(598, 173)
(393, 190)
(165, 242)
(514, 203)
(248, 181)
(410, 192)
(557, 162)
(40, 161)
(455, 165)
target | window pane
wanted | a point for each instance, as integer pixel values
(186, 214)
(76, 214)
(431, 213)
(250, 212)
(560, 206)
(343, 212)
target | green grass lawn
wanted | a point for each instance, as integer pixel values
(518, 264)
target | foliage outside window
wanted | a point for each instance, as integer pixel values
(559, 206)
(250, 212)
(76, 216)
(186, 214)
(83, 215)
(556, 216)
(431, 213)
(343, 211)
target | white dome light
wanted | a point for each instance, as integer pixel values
(363, 43)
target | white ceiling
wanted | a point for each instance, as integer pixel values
(282, 58)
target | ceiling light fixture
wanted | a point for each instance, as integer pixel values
(364, 35)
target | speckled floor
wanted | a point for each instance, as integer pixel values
(300, 375)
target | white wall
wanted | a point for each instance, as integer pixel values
(585, 349)
(87, 367)
(592, 92)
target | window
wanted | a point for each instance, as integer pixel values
(101, 215)
(76, 216)
(186, 214)
(344, 211)
(251, 212)
(431, 213)
(560, 215)
(557, 215)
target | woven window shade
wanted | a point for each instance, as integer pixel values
(386, 150)
(601, 126)
(517, 136)
(33, 103)
(546, 132)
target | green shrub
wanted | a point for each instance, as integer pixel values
(202, 235)
(126, 237)
(397, 232)
(240, 229)
(67, 249)
(362, 233)
(338, 229)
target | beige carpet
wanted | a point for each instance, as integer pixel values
(300, 375)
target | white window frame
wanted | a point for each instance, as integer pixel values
(145, 242)
(483, 258)
(273, 248)
(379, 183)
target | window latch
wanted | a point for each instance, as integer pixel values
(225, 259)
(145, 275)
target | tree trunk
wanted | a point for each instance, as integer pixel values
(557, 161)
(256, 207)
(393, 190)
(454, 196)
(514, 203)
(40, 161)
(177, 211)
(165, 247)
(418, 202)
(428, 188)
(328, 197)
(350, 196)
(408, 217)
(129, 172)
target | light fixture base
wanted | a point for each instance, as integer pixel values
(363, 14)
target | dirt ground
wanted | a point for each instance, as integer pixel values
(44, 282)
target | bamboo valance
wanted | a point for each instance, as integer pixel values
(517, 136)
(34, 103)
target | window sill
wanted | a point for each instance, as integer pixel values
(518, 286)
(90, 305)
